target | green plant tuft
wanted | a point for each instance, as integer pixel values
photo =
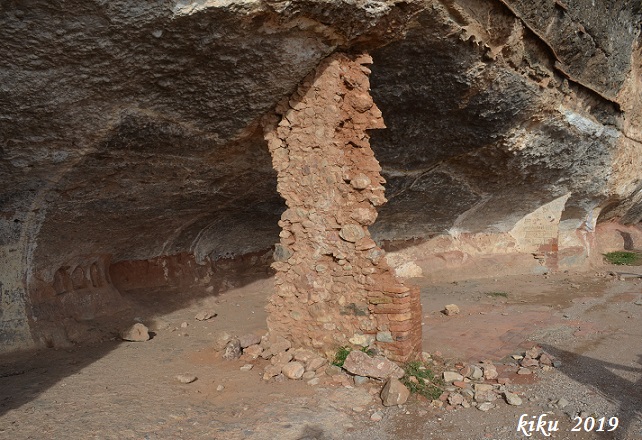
(369, 351)
(623, 258)
(426, 384)
(341, 355)
(497, 294)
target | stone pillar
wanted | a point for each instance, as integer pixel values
(333, 286)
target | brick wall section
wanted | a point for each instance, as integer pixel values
(333, 286)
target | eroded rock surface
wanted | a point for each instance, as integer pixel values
(130, 141)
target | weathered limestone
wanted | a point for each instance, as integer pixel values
(333, 286)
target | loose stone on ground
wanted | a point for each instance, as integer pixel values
(136, 333)
(378, 367)
(394, 393)
(186, 378)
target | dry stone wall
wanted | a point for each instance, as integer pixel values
(333, 285)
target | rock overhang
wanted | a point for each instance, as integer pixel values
(131, 131)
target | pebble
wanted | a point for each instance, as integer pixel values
(136, 333)
(252, 352)
(308, 375)
(333, 370)
(485, 406)
(184, 325)
(456, 399)
(275, 346)
(204, 315)
(249, 340)
(315, 363)
(485, 396)
(545, 359)
(524, 371)
(313, 382)
(220, 388)
(451, 309)
(477, 373)
(360, 181)
(360, 380)
(468, 393)
(490, 372)
(281, 358)
(232, 350)
(529, 362)
(186, 378)
(271, 371)
(394, 393)
(534, 352)
(293, 370)
(358, 409)
(247, 367)
(377, 416)
(451, 376)
(561, 403)
(351, 232)
(303, 355)
(483, 387)
(512, 398)
(221, 340)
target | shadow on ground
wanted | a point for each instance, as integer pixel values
(311, 432)
(605, 378)
(24, 376)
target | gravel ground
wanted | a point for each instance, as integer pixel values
(117, 390)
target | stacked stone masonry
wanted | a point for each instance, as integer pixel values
(333, 286)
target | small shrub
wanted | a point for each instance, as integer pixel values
(427, 385)
(497, 294)
(623, 258)
(369, 351)
(340, 357)
(343, 352)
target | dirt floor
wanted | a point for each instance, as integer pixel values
(127, 390)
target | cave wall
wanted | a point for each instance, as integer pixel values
(491, 128)
(130, 132)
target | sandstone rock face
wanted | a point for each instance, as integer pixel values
(130, 135)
